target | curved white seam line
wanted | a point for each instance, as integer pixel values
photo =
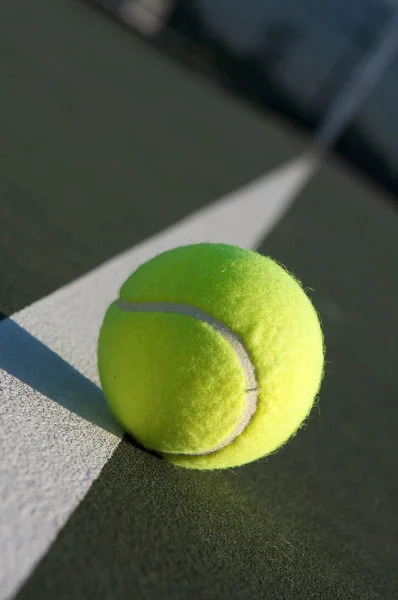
(234, 340)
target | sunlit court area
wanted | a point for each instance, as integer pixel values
(198, 300)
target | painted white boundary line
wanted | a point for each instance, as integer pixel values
(56, 433)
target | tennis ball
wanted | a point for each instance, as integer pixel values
(212, 355)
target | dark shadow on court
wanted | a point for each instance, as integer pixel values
(33, 363)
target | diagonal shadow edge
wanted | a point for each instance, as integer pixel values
(26, 358)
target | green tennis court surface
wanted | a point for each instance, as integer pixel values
(111, 152)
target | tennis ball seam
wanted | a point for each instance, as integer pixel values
(234, 340)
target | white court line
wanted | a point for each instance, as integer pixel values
(49, 456)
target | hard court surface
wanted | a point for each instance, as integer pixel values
(110, 153)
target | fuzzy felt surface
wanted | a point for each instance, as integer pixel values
(187, 377)
(173, 382)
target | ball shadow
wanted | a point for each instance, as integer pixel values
(23, 356)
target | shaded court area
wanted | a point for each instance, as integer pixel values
(105, 142)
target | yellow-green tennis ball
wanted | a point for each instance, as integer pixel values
(212, 355)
